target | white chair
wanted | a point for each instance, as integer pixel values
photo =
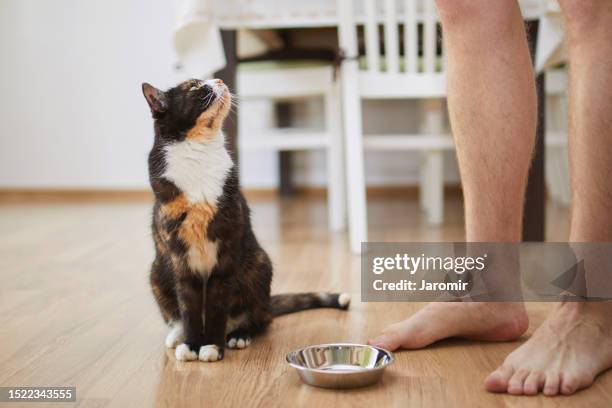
(406, 76)
(290, 81)
(557, 163)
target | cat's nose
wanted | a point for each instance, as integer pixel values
(218, 82)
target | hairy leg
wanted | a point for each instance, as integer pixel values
(492, 106)
(575, 343)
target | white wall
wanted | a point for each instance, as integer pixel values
(72, 113)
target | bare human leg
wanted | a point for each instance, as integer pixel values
(574, 344)
(492, 106)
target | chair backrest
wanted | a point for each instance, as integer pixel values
(411, 23)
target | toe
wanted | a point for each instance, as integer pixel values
(387, 341)
(571, 383)
(390, 339)
(497, 381)
(551, 383)
(515, 385)
(533, 383)
(241, 343)
(232, 342)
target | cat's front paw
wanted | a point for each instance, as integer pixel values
(184, 353)
(210, 353)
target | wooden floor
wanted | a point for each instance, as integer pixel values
(76, 309)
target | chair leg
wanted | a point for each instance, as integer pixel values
(423, 184)
(434, 179)
(353, 147)
(557, 171)
(553, 183)
(336, 204)
(561, 172)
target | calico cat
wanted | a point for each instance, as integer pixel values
(210, 277)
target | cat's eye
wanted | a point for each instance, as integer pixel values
(196, 86)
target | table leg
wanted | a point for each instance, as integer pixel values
(535, 198)
(228, 75)
(285, 159)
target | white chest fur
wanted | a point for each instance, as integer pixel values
(199, 168)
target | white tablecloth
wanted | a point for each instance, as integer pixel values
(197, 39)
(198, 43)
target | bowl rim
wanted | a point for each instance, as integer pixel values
(332, 372)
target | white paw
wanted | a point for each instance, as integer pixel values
(183, 353)
(240, 343)
(344, 299)
(175, 336)
(210, 353)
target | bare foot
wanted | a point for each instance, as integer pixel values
(563, 355)
(500, 321)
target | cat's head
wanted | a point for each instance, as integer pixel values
(193, 110)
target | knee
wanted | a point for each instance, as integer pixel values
(476, 15)
(582, 15)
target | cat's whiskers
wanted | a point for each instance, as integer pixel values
(207, 99)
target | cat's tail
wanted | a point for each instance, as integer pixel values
(296, 302)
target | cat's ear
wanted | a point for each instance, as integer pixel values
(157, 100)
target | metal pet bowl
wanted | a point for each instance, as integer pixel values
(340, 365)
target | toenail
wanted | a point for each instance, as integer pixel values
(379, 340)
